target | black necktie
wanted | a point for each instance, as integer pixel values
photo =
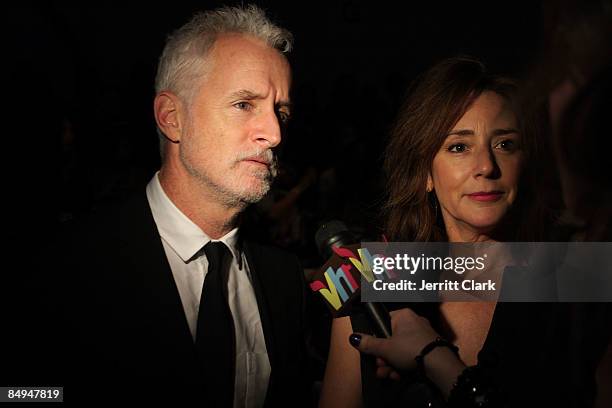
(215, 340)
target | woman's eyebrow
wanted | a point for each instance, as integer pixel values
(461, 132)
(470, 132)
(504, 131)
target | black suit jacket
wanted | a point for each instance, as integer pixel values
(122, 324)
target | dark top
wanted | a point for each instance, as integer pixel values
(536, 354)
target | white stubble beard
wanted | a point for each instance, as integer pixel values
(237, 192)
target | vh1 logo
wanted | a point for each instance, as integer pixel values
(338, 280)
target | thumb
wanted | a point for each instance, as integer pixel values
(369, 344)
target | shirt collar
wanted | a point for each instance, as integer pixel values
(180, 233)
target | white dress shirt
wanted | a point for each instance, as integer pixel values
(182, 239)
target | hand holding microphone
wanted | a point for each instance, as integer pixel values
(411, 333)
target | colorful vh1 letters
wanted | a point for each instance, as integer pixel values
(338, 280)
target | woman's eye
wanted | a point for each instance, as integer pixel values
(506, 145)
(457, 148)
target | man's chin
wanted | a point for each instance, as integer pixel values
(254, 193)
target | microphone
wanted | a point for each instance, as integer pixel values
(338, 280)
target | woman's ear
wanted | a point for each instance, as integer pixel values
(430, 185)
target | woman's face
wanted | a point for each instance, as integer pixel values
(475, 173)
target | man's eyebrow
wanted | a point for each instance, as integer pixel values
(245, 94)
(248, 95)
(284, 104)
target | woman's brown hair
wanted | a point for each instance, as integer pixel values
(437, 101)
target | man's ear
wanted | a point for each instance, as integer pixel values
(430, 184)
(168, 115)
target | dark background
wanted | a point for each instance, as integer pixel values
(79, 129)
(80, 90)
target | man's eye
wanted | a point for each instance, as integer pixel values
(284, 117)
(242, 105)
(457, 148)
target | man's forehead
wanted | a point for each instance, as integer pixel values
(249, 76)
(235, 45)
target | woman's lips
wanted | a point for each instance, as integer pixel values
(486, 195)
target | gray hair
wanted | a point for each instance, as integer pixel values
(185, 52)
(183, 58)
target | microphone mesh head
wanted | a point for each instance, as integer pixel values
(329, 230)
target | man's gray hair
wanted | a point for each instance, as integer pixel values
(183, 58)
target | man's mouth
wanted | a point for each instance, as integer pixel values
(259, 161)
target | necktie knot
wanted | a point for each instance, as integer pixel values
(216, 253)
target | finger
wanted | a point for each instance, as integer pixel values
(394, 375)
(381, 362)
(383, 372)
(401, 312)
(368, 344)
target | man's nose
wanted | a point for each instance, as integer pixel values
(268, 132)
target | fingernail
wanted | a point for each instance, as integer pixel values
(355, 339)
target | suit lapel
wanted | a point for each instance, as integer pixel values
(152, 270)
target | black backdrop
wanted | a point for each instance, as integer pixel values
(78, 125)
(80, 90)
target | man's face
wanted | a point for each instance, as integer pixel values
(235, 118)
